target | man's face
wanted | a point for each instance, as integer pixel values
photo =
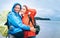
(17, 8)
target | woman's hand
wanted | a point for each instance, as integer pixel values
(32, 29)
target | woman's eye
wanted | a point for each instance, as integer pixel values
(17, 7)
(23, 9)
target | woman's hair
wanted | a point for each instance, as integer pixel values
(16, 5)
(26, 8)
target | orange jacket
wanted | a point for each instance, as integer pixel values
(25, 20)
(32, 13)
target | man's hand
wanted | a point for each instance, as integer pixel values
(32, 29)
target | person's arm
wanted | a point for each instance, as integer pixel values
(17, 22)
(32, 12)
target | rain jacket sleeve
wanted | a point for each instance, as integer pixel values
(17, 22)
(33, 12)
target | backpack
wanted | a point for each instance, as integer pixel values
(6, 28)
(37, 27)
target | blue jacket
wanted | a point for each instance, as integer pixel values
(15, 23)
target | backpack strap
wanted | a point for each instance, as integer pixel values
(30, 20)
(7, 22)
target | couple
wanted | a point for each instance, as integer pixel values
(19, 24)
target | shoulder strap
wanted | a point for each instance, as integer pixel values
(30, 20)
(7, 20)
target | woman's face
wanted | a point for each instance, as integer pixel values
(17, 8)
(23, 10)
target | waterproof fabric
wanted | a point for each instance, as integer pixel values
(17, 35)
(25, 20)
(15, 22)
(4, 30)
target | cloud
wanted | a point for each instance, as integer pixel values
(45, 12)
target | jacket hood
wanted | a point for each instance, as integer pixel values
(14, 6)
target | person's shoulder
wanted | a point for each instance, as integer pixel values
(10, 13)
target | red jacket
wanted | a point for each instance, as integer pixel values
(25, 20)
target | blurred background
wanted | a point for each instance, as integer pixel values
(46, 9)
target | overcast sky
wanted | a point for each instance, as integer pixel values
(45, 8)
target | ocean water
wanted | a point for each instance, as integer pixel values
(49, 29)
